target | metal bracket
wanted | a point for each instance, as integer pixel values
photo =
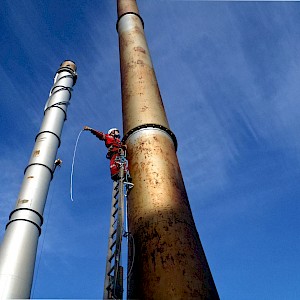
(57, 163)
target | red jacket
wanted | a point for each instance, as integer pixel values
(112, 144)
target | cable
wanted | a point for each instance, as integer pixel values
(127, 234)
(133, 255)
(126, 214)
(72, 169)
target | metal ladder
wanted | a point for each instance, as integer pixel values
(113, 283)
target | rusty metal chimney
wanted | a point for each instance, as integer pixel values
(166, 259)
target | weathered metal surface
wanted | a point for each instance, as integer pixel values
(169, 261)
(166, 255)
(69, 64)
(143, 103)
(127, 6)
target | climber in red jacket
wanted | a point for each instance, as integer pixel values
(113, 144)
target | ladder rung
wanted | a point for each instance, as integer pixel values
(116, 193)
(111, 258)
(112, 245)
(112, 235)
(115, 212)
(112, 268)
(111, 282)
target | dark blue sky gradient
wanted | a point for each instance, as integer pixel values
(229, 78)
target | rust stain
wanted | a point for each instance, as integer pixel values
(144, 108)
(140, 49)
(36, 153)
(160, 217)
(22, 201)
(127, 6)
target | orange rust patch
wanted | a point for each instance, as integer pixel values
(140, 49)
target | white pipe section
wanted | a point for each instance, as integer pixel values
(19, 246)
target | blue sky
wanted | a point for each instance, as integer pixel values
(229, 78)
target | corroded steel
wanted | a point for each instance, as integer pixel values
(127, 6)
(139, 85)
(166, 256)
(69, 64)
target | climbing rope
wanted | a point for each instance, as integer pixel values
(72, 169)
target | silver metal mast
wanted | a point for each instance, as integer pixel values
(19, 246)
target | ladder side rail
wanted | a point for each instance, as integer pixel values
(110, 242)
(119, 232)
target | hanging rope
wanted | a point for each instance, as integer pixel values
(72, 169)
(128, 235)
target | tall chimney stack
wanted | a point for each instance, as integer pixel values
(19, 246)
(167, 259)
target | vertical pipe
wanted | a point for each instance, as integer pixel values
(169, 260)
(19, 246)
